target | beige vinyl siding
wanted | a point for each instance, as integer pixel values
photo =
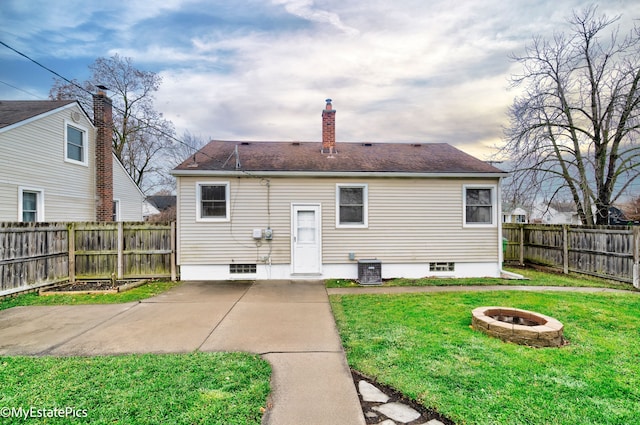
(127, 193)
(410, 221)
(8, 198)
(32, 155)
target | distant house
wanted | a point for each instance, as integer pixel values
(57, 165)
(282, 210)
(560, 213)
(149, 210)
(618, 218)
(517, 215)
(160, 207)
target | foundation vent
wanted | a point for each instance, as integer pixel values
(442, 267)
(242, 268)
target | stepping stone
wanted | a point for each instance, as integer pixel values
(387, 422)
(434, 422)
(398, 412)
(371, 393)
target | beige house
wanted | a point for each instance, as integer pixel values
(48, 166)
(295, 210)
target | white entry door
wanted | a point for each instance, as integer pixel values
(306, 243)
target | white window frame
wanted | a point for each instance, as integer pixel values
(365, 206)
(85, 143)
(227, 186)
(494, 205)
(39, 202)
(116, 206)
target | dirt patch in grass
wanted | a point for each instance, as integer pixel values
(397, 397)
(94, 286)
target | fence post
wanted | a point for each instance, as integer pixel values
(565, 249)
(521, 245)
(71, 242)
(636, 257)
(120, 250)
(173, 252)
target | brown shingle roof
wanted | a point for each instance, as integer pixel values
(350, 157)
(14, 111)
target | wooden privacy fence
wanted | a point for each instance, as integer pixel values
(612, 252)
(38, 254)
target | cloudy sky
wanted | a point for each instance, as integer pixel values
(397, 71)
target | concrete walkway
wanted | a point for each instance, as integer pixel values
(290, 324)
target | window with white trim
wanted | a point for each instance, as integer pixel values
(480, 205)
(212, 201)
(75, 144)
(30, 205)
(351, 205)
(116, 210)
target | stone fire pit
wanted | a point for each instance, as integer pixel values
(520, 326)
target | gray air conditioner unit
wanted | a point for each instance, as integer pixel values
(369, 272)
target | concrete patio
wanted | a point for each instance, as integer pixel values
(288, 323)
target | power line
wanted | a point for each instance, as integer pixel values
(19, 89)
(42, 66)
(147, 122)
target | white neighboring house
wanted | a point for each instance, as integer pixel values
(311, 210)
(149, 210)
(49, 166)
(542, 213)
(517, 215)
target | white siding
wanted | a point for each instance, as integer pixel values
(32, 155)
(410, 221)
(130, 198)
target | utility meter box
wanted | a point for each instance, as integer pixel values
(257, 233)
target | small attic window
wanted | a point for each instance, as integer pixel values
(296, 143)
(245, 143)
(417, 145)
(367, 144)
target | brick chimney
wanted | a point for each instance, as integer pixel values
(103, 119)
(328, 128)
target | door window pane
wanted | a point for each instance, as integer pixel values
(306, 226)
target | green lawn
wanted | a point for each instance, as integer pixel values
(136, 294)
(197, 388)
(422, 345)
(533, 278)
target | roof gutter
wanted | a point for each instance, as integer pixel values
(242, 173)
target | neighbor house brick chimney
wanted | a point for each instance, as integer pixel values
(103, 119)
(328, 128)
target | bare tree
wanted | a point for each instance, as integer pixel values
(574, 129)
(179, 152)
(141, 133)
(631, 208)
(189, 144)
